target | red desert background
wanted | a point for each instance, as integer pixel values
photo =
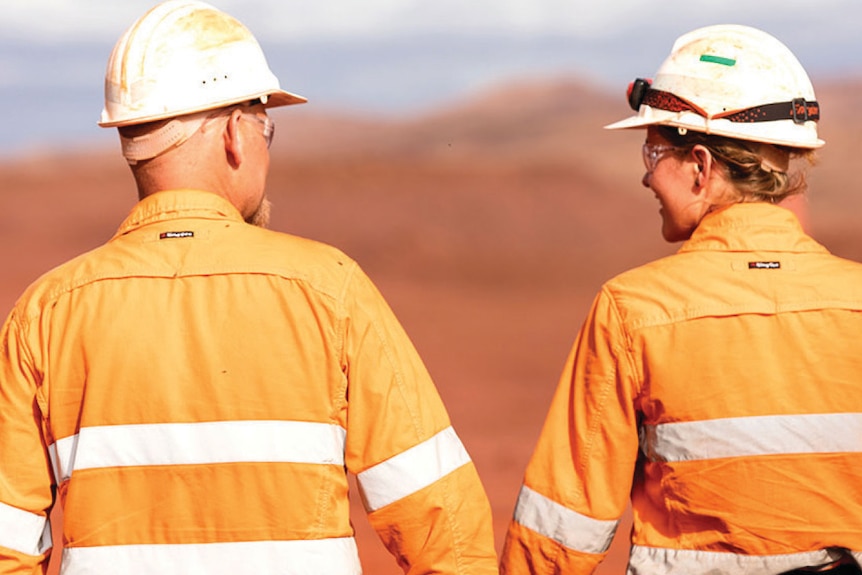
(488, 224)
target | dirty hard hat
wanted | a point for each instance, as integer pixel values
(183, 57)
(733, 81)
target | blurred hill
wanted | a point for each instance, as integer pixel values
(489, 224)
(513, 183)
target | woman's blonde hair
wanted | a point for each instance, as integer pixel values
(744, 165)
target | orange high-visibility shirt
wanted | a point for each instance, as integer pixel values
(197, 389)
(718, 389)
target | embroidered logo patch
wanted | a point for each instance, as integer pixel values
(764, 265)
(168, 235)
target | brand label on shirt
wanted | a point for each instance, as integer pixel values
(168, 235)
(764, 265)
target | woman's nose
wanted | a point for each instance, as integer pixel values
(645, 179)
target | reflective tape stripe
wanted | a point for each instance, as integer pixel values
(301, 557)
(199, 443)
(24, 532)
(749, 436)
(412, 470)
(659, 561)
(565, 526)
(55, 462)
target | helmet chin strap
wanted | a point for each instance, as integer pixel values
(170, 135)
(163, 138)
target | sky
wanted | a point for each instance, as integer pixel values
(394, 56)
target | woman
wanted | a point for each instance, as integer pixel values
(718, 390)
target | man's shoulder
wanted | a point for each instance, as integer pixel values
(55, 282)
(320, 266)
(284, 242)
(287, 254)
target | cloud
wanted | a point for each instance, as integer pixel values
(279, 20)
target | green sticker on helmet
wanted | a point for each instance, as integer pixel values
(718, 60)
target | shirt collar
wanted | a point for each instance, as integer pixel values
(176, 204)
(753, 226)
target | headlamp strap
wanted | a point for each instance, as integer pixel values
(799, 110)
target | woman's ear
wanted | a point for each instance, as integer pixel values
(233, 143)
(702, 163)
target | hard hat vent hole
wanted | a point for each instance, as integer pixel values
(214, 80)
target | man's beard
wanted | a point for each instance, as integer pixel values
(260, 217)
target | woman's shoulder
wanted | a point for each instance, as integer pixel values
(660, 291)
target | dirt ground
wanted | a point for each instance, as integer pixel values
(488, 227)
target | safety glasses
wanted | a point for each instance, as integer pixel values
(268, 126)
(653, 154)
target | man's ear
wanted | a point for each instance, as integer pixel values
(233, 143)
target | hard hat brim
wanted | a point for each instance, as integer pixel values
(782, 132)
(282, 98)
(630, 122)
(274, 99)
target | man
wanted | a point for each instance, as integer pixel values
(195, 390)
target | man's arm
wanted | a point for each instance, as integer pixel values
(420, 488)
(26, 484)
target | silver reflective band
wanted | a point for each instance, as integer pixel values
(751, 436)
(300, 557)
(565, 526)
(659, 561)
(24, 532)
(412, 470)
(199, 443)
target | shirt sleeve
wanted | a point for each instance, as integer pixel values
(578, 480)
(419, 486)
(26, 484)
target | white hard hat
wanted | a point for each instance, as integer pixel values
(182, 57)
(732, 81)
